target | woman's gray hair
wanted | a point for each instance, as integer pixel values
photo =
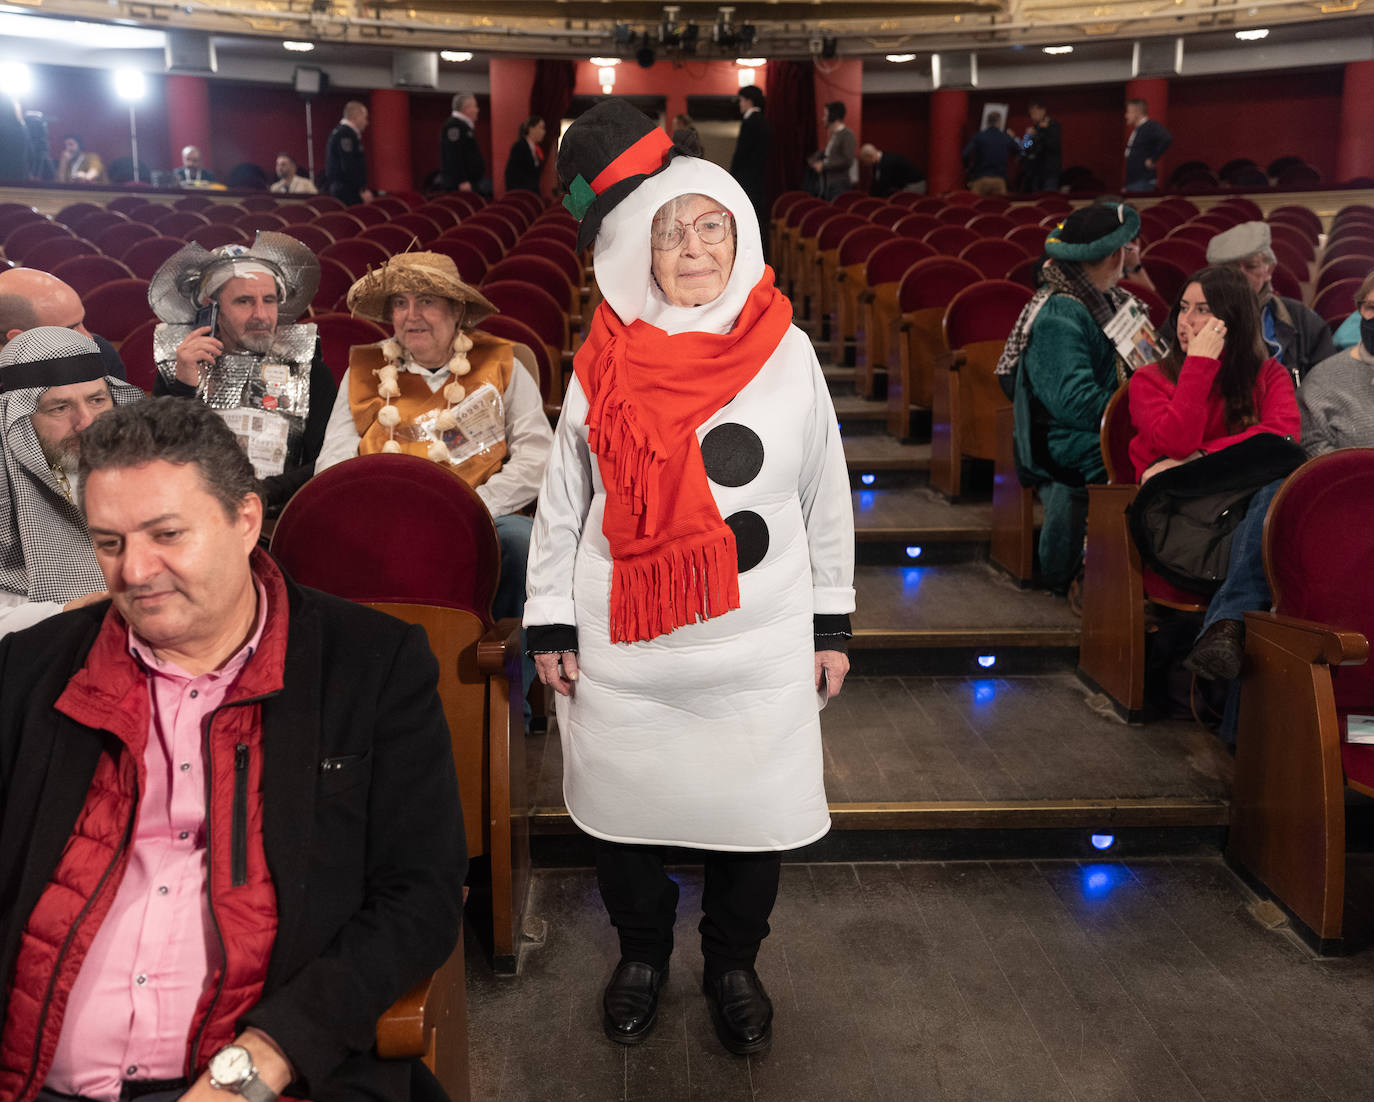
(177, 430)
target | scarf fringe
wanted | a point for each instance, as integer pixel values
(683, 584)
(615, 432)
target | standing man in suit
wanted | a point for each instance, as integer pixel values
(345, 162)
(1149, 141)
(836, 164)
(461, 164)
(749, 165)
(526, 160)
(1043, 151)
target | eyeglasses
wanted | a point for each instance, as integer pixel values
(711, 228)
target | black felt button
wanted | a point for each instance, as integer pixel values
(751, 538)
(733, 455)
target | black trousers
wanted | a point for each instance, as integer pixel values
(641, 899)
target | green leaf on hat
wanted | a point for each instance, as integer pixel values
(580, 196)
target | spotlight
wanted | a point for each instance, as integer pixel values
(129, 84)
(1103, 841)
(16, 79)
(913, 552)
(987, 661)
(868, 479)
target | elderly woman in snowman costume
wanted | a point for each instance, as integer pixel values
(691, 571)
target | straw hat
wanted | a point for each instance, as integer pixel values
(416, 273)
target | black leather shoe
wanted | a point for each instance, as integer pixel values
(1218, 654)
(740, 1010)
(631, 1001)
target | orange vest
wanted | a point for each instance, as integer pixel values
(491, 360)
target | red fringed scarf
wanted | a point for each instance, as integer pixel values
(648, 392)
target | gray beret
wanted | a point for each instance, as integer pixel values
(1238, 242)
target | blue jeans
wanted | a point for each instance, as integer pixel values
(1148, 184)
(1245, 588)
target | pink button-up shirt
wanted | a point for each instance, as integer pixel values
(130, 1011)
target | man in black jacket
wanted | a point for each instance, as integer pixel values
(345, 159)
(986, 157)
(1043, 151)
(461, 164)
(749, 165)
(1295, 334)
(277, 756)
(1149, 141)
(889, 172)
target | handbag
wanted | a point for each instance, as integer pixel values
(1183, 519)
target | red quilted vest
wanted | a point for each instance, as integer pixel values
(110, 693)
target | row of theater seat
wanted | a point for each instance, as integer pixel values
(521, 253)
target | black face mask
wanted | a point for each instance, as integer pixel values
(1367, 334)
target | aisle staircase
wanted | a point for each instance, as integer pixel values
(963, 730)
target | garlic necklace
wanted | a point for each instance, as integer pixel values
(389, 387)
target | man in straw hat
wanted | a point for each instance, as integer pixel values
(53, 384)
(228, 338)
(442, 389)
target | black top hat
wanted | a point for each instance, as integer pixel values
(605, 154)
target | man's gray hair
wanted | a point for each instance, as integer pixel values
(461, 100)
(179, 431)
(16, 312)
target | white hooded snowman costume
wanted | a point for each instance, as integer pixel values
(708, 736)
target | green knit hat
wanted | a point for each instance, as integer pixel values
(1093, 232)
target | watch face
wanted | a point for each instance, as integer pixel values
(231, 1065)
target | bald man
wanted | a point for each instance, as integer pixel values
(30, 298)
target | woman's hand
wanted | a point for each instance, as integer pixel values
(1210, 340)
(558, 670)
(836, 665)
(1166, 464)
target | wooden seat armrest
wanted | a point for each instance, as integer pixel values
(401, 1033)
(957, 359)
(566, 358)
(1113, 492)
(1311, 642)
(905, 322)
(841, 276)
(867, 294)
(499, 646)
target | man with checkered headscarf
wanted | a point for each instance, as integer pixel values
(52, 385)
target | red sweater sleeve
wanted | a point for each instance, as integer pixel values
(1170, 425)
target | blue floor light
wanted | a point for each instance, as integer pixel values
(1103, 841)
(913, 552)
(987, 661)
(868, 479)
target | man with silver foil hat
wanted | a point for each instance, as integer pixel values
(53, 384)
(229, 338)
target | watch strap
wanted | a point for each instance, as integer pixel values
(255, 1090)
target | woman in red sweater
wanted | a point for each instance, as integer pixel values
(1216, 387)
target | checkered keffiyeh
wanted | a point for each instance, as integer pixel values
(45, 550)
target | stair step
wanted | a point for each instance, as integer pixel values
(879, 452)
(943, 599)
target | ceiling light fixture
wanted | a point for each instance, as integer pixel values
(455, 55)
(1058, 49)
(298, 47)
(900, 59)
(751, 62)
(604, 62)
(103, 36)
(1253, 35)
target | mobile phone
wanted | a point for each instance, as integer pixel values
(208, 315)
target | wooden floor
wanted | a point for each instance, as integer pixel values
(1056, 981)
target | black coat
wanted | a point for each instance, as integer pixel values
(522, 168)
(182, 176)
(749, 165)
(987, 153)
(345, 164)
(1306, 342)
(892, 174)
(1045, 156)
(1150, 142)
(367, 858)
(460, 157)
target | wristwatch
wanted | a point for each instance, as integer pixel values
(231, 1069)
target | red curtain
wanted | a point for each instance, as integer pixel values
(551, 97)
(791, 110)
